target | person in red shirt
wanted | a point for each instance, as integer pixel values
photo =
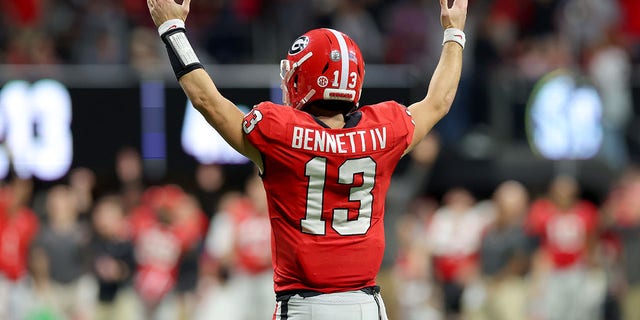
(453, 237)
(18, 227)
(165, 227)
(325, 161)
(566, 228)
(236, 250)
(564, 224)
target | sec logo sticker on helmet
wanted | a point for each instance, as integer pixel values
(323, 81)
(299, 45)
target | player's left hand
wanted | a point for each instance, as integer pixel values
(163, 10)
(454, 16)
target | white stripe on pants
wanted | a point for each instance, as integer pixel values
(349, 305)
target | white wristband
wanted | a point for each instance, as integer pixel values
(170, 25)
(455, 35)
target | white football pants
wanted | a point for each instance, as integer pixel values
(351, 305)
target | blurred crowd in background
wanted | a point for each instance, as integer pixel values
(259, 31)
(510, 46)
(92, 249)
(138, 250)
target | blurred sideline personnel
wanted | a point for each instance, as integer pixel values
(326, 163)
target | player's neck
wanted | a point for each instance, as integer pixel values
(332, 118)
(334, 122)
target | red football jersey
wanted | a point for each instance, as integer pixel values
(17, 231)
(251, 234)
(564, 234)
(326, 190)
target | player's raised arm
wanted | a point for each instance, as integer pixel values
(221, 113)
(444, 82)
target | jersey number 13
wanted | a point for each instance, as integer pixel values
(316, 170)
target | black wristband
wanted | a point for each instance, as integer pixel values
(182, 57)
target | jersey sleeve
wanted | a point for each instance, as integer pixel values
(410, 125)
(400, 117)
(261, 124)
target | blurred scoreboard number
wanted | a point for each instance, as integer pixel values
(36, 138)
(35, 132)
(564, 118)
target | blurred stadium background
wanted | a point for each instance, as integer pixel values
(118, 202)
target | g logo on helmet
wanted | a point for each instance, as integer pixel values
(299, 45)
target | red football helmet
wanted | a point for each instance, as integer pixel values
(322, 64)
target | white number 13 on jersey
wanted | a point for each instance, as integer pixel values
(316, 170)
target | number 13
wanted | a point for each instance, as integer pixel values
(316, 170)
(352, 82)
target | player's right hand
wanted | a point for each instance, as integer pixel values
(454, 16)
(163, 10)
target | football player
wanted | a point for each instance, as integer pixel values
(326, 162)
